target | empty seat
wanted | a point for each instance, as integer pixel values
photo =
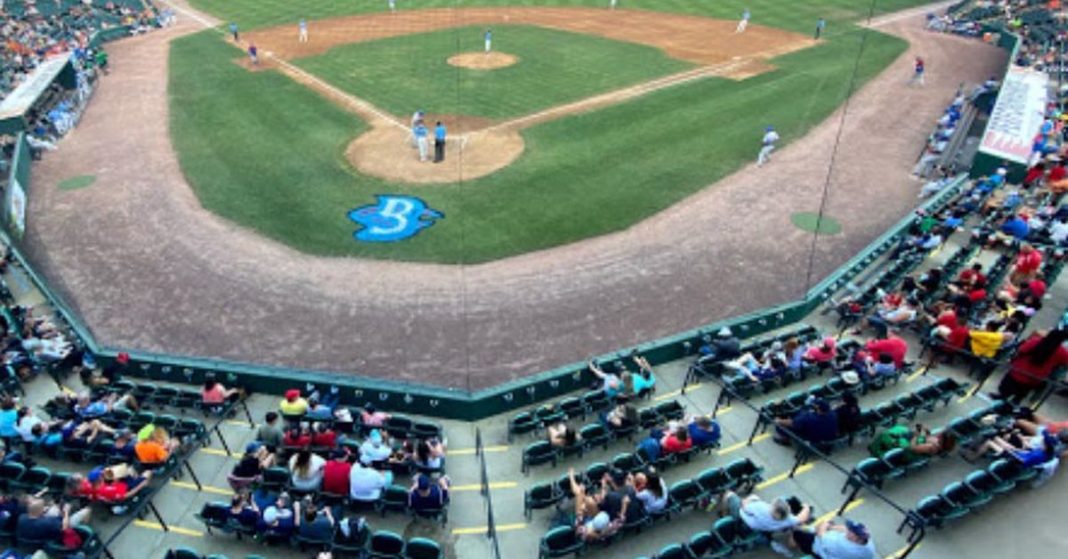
(936, 510)
(707, 545)
(744, 472)
(714, 480)
(559, 542)
(594, 435)
(965, 496)
(876, 471)
(735, 533)
(595, 401)
(215, 515)
(671, 410)
(684, 494)
(547, 415)
(422, 548)
(536, 454)
(628, 462)
(1011, 470)
(521, 424)
(385, 545)
(572, 408)
(672, 551)
(984, 482)
(541, 496)
(394, 498)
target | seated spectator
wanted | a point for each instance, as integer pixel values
(277, 523)
(883, 320)
(323, 436)
(9, 416)
(426, 496)
(703, 430)
(592, 523)
(269, 433)
(848, 412)
(374, 449)
(795, 354)
(676, 441)
(372, 417)
(243, 510)
(41, 523)
(117, 484)
(351, 531)
(894, 346)
(215, 396)
(562, 435)
(298, 437)
(336, 473)
(429, 453)
(1034, 362)
(645, 379)
(989, 340)
(156, 448)
(823, 353)
(883, 368)
(651, 490)
(610, 382)
(293, 405)
(313, 523)
(366, 484)
(850, 540)
(897, 436)
(1027, 264)
(926, 443)
(724, 346)
(816, 425)
(251, 465)
(622, 416)
(306, 469)
(775, 519)
(124, 448)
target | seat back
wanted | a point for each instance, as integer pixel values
(672, 551)
(422, 548)
(386, 543)
(559, 541)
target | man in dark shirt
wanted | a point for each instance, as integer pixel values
(426, 496)
(725, 346)
(37, 526)
(315, 524)
(816, 425)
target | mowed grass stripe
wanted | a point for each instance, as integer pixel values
(798, 16)
(266, 153)
(400, 74)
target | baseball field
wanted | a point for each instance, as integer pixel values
(601, 118)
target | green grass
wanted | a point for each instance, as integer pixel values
(401, 74)
(798, 15)
(581, 176)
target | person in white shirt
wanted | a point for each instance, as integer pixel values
(774, 518)
(366, 484)
(374, 449)
(767, 145)
(1058, 231)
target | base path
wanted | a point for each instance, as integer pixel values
(148, 268)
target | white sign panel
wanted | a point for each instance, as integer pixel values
(1017, 116)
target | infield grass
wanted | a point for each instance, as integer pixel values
(401, 74)
(267, 153)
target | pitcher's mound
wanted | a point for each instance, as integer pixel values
(386, 152)
(482, 60)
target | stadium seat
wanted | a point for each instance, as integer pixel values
(275, 478)
(628, 462)
(535, 454)
(548, 415)
(714, 481)
(743, 472)
(594, 472)
(685, 493)
(10, 472)
(183, 553)
(385, 545)
(935, 510)
(594, 435)
(672, 551)
(1011, 471)
(963, 495)
(572, 408)
(394, 499)
(671, 410)
(398, 426)
(983, 481)
(34, 480)
(215, 515)
(559, 542)
(541, 496)
(876, 471)
(649, 418)
(521, 424)
(736, 534)
(706, 545)
(595, 401)
(422, 548)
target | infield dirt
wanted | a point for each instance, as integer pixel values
(382, 151)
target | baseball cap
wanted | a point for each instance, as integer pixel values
(95, 474)
(857, 529)
(724, 332)
(770, 128)
(252, 447)
(270, 515)
(850, 377)
(423, 482)
(292, 394)
(123, 358)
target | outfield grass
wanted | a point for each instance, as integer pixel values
(581, 176)
(555, 67)
(797, 15)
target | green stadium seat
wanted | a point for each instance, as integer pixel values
(628, 462)
(672, 551)
(422, 548)
(935, 510)
(964, 496)
(560, 542)
(685, 494)
(537, 454)
(706, 545)
(541, 496)
(736, 534)
(394, 499)
(594, 435)
(984, 482)
(714, 481)
(385, 545)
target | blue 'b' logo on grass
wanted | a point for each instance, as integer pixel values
(393, 218)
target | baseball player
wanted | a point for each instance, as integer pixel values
(392, 6)
(417, 120)
(767, 145)
(488, 37)
(303, 25)
(919, 68)
(421, 140)
(744, 22)
(253, 54)
(611, 4)
(820, 24)
(233, 32)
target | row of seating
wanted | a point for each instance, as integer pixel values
(380, 544)
(741, 475)
(899, 463)
(704, 366)
(600, 435)
(959, 499)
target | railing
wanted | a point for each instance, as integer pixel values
(491, 522)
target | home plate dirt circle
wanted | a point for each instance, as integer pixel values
(386, 152)
(482, 60)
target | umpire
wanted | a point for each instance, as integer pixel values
(439, 142)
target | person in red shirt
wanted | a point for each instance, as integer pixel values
(1035, 361)
(297, 437)
(1027, 264)
(677, 441)
(891, 345)
(972, 276)
(336, 473)
(324, 436)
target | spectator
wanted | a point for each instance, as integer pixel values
(850, 540)
(823, 353)
(298, 437)
(306, 469)
(676, 441)
(313, 523)
(1027, 264)
(622, 416)
(372, 417)
(215, 396)
(293, 405)
(562, 435)
(277, 522)
(251, 465)
(651, 491)
(366, 484)
(704, 431)
(269, 434)
(1034, 362)
(894, 346)
(430, 453)
(774, 519)
(817, 425)
(987, 341)
(156, 448)
(610, 382)
(926, 443)
(47, 524)
(9, 416)
(117, 484)
(243, 510)
(323, 436)
(724, 346)
(336, 473)
(426, 496)
(848, 412)
(644, 380)
(374, 449)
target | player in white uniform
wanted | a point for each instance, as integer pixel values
(488, 37)
(417, 119)
(303, 25)
(743, 23)
(392, 5)
(767, 145)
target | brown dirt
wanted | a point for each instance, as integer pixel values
(387, 152)
(482, 60)
(696, 39)
(147, 267)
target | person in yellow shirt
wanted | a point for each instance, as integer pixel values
(987, 342)
(293, 404)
